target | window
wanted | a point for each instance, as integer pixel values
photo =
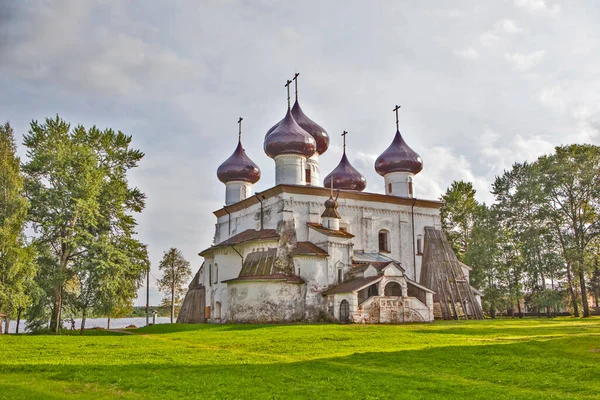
(216, 273)
(384, 241)
(389, 188)
(210, 274)
(410, 189)
(373, 290)
(344, 311)
(419, 245)
(218, 310)
(340, 275)
(307, 176)
(393, 289)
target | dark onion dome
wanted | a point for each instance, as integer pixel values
(289, 138)
(331, 209)
(238, 167)
(315, 130)
(346, 177)
(399, 157)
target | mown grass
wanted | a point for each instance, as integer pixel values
(503, 359)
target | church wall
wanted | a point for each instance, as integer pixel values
(313, 270)
(266, 301)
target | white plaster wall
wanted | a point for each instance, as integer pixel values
(352, 299)
(265, 301)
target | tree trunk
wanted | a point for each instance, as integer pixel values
(584, 299)
(6, 324)
(18, 319)
(173, 301)
(519, 308)
(83, 316)
(492, 312)
(572, 292)
(55, 321)
(108, 323)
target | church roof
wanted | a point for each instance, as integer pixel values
(330, 232)
(353, 285)
(238, 167)
(245, 236)
(315, 130)
(345, 176)
(287, 137)
(260, 266)
(308, 249)
(321, 191)
(398, 157)
(361, 257)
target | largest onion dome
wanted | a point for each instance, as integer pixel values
(287, 137)
(345, 176)
(315, 130)
(238, 167)
(399, 157)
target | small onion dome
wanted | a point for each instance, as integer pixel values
(315, 130)
(346, 177)
(399, 157)
(289, 138)
(331, 209)
(238, 167)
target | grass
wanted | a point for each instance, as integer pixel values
(502, 359)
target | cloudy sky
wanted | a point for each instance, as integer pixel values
(481, 86)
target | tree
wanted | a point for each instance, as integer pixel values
(458, 215)
(17, 267)
(571, 182)
(176, 273)
(82, 210)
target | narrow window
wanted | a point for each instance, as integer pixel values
(298, 271)
(389, 188)
(419, 245)
(210, 274)
(340, 275)
(216, 273)
(410, 190)
(384, 241)
(307, 176)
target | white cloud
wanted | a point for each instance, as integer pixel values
(490, 39)
(538, 7)
(524, 62)
(468, 54)
(553, 98)
(508, 26)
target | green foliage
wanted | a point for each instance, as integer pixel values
(82, 209)
(458, 216)
(176, 273)
(508, 359)
(17, 267)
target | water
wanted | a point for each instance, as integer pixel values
(115, 323)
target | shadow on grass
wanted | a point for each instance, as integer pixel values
(560, 368)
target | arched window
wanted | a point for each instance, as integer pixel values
(419, 244)
(308, 176)
(393, 289)
(410, 186)
(384, 241)
(344, 311)
(210, 274)
(373, 291)
(216, 273)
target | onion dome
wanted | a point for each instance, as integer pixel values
(331, 209)
(287, 137)
(238, 167)
(346, 177)
(399, 157)
(315, 130)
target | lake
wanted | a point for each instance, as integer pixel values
(115, 323)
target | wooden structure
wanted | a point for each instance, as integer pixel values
(442, 272)
(193, 307)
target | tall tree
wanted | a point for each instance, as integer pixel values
(458, 215)
(82, 207)
(571, 182)
(17, 268)
(176, 273)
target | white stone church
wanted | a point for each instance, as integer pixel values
(313, 250)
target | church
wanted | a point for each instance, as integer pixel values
(312, 250)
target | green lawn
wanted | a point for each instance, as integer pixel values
(503, 359)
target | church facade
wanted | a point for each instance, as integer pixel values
(307, 251)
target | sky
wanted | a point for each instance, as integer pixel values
(482, 85)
